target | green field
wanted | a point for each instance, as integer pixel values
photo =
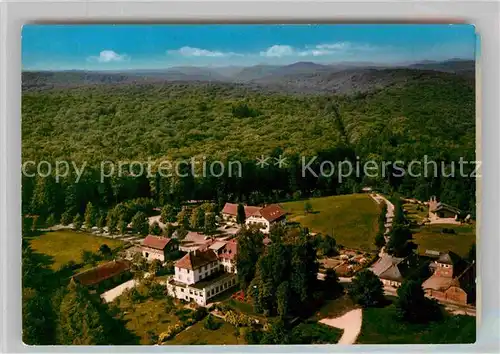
(146, 319)
(65, 246)
(381, 327)
(352, 219)
(430, 237)
(198, 334)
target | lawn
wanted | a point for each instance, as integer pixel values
(381, 327)
(412, 212)
(198, 334)
(352, 219)
(146, 319)
(334, 308)
(64, 245)
(430, 237)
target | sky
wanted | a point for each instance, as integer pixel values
(141, 46)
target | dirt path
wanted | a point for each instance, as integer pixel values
(350, 322)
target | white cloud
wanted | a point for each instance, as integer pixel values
(198, 52)
(108, 56)
(278, 51)
(317, 50)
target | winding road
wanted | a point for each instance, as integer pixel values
(350, 322)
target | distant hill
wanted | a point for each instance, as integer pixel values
(300, 77)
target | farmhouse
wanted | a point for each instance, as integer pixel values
(155, 247)
(230, 211)
(202, 274)
(442, 212)
(267, 217)
(453, 279)
(391, 270)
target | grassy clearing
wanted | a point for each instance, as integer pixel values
(430, 237)
(334, 308)
(413, 212)
(65, 246)
(199, 335)
(352, 219)
(381, 327)
(146, 319)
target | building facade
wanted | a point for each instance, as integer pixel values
(155, 247)
(202, 274)
(453, 280)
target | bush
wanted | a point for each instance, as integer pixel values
(200, 313)
(242, 110)
(448, 231)
(156, 290)
(210, 323)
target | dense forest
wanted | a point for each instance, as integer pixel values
(426, 113)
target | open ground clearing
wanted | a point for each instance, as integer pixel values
(352, 219)
(198, 334)
(65, 245)
(380, 326)
(431, 237)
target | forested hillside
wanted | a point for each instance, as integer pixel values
(416, 113)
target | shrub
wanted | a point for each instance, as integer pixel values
(448, 231)
(210, 323)
(200, 313)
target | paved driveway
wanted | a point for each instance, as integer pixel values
(350, 322)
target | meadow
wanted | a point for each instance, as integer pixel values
(65, 245)
(351, 219)
(431, 237)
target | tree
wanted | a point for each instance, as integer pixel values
(282, 295)
(155, 266)
(181, 233)
(169, 229)
(80, 321)
(308, 208)
(197, 220)
(105, 251)
(331, 282)
(379, 240)
(90, 216)
(51, 220)
(278, 333)
(413, 306)
(210, 223)
(183, 218)
(168, 214)
(38, 318)
(101, 222)
(88, 257)
(400, 244)
(77, 222)
(366, 289)
(240, 216)
(140, 223)
(122, 226)
(250, 248)
(200, 215)
(155, 229)
(112, 221)
(328, 246)
(66, 218)
(471, 256)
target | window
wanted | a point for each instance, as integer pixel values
(182, 290)
(191, 292)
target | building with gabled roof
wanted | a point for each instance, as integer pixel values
(439, 211)
(453, 279)
(202, 274)
(391, 270)
(157, 247)
(266, 217)
(109, 271)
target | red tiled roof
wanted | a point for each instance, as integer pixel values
(272, 212)
(230, 250)
(102, 272)
(196, 259)
(232, 209)
(156, 242)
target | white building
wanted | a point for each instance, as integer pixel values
(202, 274)
(267, 217)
